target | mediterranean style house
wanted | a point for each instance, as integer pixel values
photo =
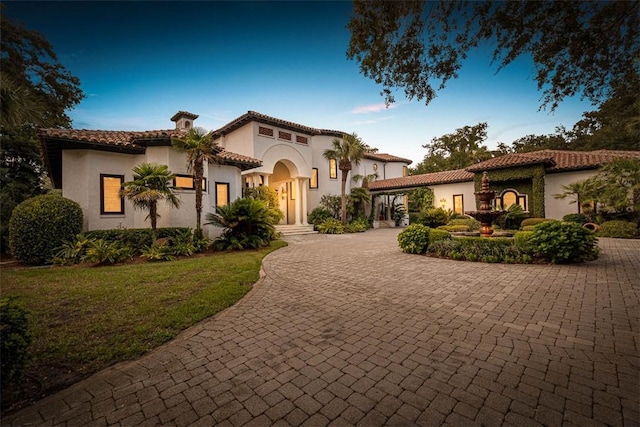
(528, 179)
(89, 166)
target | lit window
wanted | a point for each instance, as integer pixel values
(333, 169)
(185, 182)
(313, 183)
(110, 201)
(509, 198)
(458, 205)
(404, 171)
(222, 193)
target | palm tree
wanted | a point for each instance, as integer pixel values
(350, 149)
(199, 146)
(18, 104)
(151, 184)
(584, 193)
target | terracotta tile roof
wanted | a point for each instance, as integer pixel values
(187, 114)
(446, 177)
(263, 118)
(136, 139)
(555, 160)
(109, 137)
(384, 157)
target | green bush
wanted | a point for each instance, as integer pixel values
(158, 253)
(413, 217)
(414, 239)
(318, 215)
(454, 228)
(72, 251)
(247, 224)
(331, 226)
(107, 253)
(578, 218)
(137, 238)
(270, 197)
(533, 221)
(618, 229)
(522, 241)
(491, 250)
(473, 224)
(528, 228)
(563, 242)
(38, 226)
(435, 235)
(15, 338)
(434, 217)
(358, 225)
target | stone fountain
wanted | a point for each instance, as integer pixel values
(486, 215)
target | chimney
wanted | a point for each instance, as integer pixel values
(184, 119)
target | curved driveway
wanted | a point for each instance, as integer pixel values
(346, 330)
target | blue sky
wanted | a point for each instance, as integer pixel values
(140, 62)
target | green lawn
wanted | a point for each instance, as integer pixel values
(87, 318)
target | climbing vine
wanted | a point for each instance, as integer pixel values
(524, 179)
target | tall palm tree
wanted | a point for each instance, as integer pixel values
(151, 184)
(199, 146)
(584, 192)
(346, 151)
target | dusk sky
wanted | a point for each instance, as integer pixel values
(140, 62)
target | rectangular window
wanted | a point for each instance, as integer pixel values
(313, 183)
(222, 193)
(458, 204)
(265, 131)
(522, 201)
(284, 135)
(404, 171)
(333, 169)
(185, 182)
(110, 201)
(302, 139)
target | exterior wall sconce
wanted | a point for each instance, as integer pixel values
(443, 202)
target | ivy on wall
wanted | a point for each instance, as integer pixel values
(524, 179)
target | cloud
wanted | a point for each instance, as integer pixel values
(372, 121)
(373, 108)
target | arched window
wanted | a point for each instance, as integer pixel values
(511, 197)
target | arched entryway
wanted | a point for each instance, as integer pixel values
(292, 192)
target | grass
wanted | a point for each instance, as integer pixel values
(87, 318)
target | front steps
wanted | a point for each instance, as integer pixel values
(295, 230)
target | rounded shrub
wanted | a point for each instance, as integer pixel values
(533, 221)
(577, 218)
(40, 225)
(414, 239)
(472, 223)
(330, 226)
(563, 242)
(433, 217)
(318, 215)
(618, 229)
(15, 338)
(436, 235)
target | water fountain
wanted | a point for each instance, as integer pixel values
(486, 215)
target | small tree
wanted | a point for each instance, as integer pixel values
(346, 151)
(151, 183)
(200, 148)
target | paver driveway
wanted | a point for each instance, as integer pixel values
(348, 330)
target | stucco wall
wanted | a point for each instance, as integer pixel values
(557, 208)
(447, 191)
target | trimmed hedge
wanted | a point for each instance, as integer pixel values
(577, 218)
(415, 239)
(533, 221)
(38, 226)
(491, 250)
(618, 229)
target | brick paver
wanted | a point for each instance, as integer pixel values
(348, 330)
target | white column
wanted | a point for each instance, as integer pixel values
(305, 189)
(266, 180)
(298, 203)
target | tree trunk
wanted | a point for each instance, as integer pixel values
(153, 216)
(343, 200)
(198, 172)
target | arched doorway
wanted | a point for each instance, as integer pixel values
(282, 183)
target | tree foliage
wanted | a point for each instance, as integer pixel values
(151, 184)
(350, 149)
(456, 150)
(35, 91)
(578, 48)
(199, 146)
